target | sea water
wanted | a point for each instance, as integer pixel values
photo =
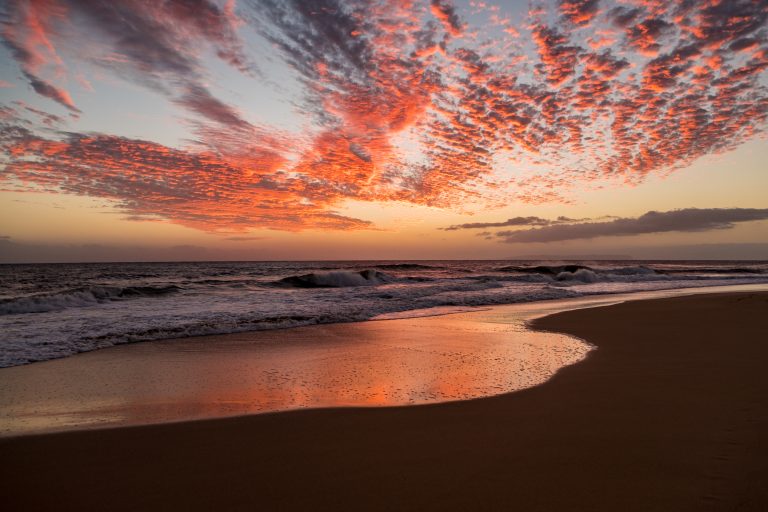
(49, 311)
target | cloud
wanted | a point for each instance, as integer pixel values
(689, 219)
(646, 36)
(26, 29)
(415, 101)
(156, 44)
(198, 189)
(579, 12)
(558, 58)
(48, 90)
(199, 100)
(446, 13)
(515, 221)
(45, 118)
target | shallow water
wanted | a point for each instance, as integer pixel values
(397, 362)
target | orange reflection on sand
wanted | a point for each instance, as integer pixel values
(378, 363)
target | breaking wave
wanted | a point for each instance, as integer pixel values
(551, 270)
(79, 298)
(581, 275)
(340, 279)
(562, 274)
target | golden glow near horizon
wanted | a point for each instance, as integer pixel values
(354, 130)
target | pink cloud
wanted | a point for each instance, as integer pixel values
(643, 90)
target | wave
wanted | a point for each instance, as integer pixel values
(585, 274)
(551, 270)
(340, 279)
(78, 298)
(581, 275)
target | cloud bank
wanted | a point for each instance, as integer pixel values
(515, 221)
(689, 219)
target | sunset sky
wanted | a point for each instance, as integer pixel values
(279, 129)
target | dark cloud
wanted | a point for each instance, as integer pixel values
(445, 12)
(646, 36)
(720, 22)
(579, 12)
(360, 152)
(624, 16)
(160, 38)
(200, 100)
(605, 63)
(50, 91)
(515, 221)
(24, 34)
(320, 32)
(689, 219)
(156, 44)
(558, 57)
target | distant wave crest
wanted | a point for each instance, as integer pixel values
(551, 270)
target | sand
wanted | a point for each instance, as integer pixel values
(669, 413)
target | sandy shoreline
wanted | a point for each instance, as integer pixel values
(668, 414)
(376, 363)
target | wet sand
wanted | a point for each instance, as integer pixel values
(378, 363)
(669, 413)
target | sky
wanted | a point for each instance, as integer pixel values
(403, 129)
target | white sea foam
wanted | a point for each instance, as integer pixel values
(582, 275)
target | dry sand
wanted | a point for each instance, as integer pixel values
(670, 414)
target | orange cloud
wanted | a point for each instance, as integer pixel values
(663, 87)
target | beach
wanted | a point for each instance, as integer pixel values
(668, 413)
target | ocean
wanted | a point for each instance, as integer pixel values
(49, 311)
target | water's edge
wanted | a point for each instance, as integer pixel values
(138, 413)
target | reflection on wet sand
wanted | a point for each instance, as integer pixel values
(393, 362)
